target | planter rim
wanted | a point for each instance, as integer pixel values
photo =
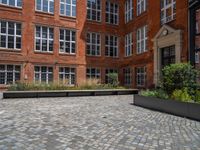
(168, 100)
(53, 91)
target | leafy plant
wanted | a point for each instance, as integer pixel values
(159, 93)
(113, 79)
(181, 95)
(197, 97)
(178, 76)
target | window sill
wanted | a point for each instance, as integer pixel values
(112, 57)
(94, 21)
(43, 14)
(138, 54)
(11, 7)
(97, 56)
(10, 50)
(128, 56)
(67, 54)
(68, 18)
(167, 22)
(41, 52)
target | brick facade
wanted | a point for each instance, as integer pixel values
(28, 58)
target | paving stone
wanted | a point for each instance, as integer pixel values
(92, 123)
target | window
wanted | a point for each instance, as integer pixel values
(111, 47)
(168, 56)
(197, 58)
(168, 10)
(94, 10)
(67, 75)
(128, 10)
(128, 44)
(93, 73)
(14, 3)
(9, 74)
(141, 6)
(108, 71)
(93, 44)
(10, 35)
(141, 76)
(112, 13)
(43, 74)
(127, 76)
(44, 39)
(67, 41)
(45, 5)
(142, 40)
(197, 26)
(68, 8)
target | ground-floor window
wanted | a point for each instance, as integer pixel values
(43, 74)
(127, 76)
(108, 71)
(9, 74)
(67, 75)
(141, 76)
(93, 73)
(197, 58)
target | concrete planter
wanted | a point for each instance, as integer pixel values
(183, 109)
(68, 93)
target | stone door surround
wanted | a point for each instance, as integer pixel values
(167, 36)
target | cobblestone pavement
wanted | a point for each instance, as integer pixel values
(92, 123)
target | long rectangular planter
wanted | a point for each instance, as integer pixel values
(67, 93)
(183, 109)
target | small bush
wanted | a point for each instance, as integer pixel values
(113, 79)
(181, 95)
(178, 76)
(159, 93)
(197, 97)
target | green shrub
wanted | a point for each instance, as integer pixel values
(197, 97)
(178, 76)
(159, 93)
(181, 95)
(113, 79)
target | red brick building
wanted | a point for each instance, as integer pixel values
(70, 40)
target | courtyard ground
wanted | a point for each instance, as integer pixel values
(92, 123)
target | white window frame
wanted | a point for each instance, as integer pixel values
(129, 45)
(40, 74)
(142, 39)
(115, 22)
(13, 72)
(141, 71)
(71, 8)
(127, 76)
(65, 41)
(96, 44)
(7, 35)
(90, 75)
(42, 8)
(70, 73)
(197, 58)
(116, 47)
(7, 3)
(166, 6)
(141, 6)
(128, 10)
(98, 11)
(41, 38)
